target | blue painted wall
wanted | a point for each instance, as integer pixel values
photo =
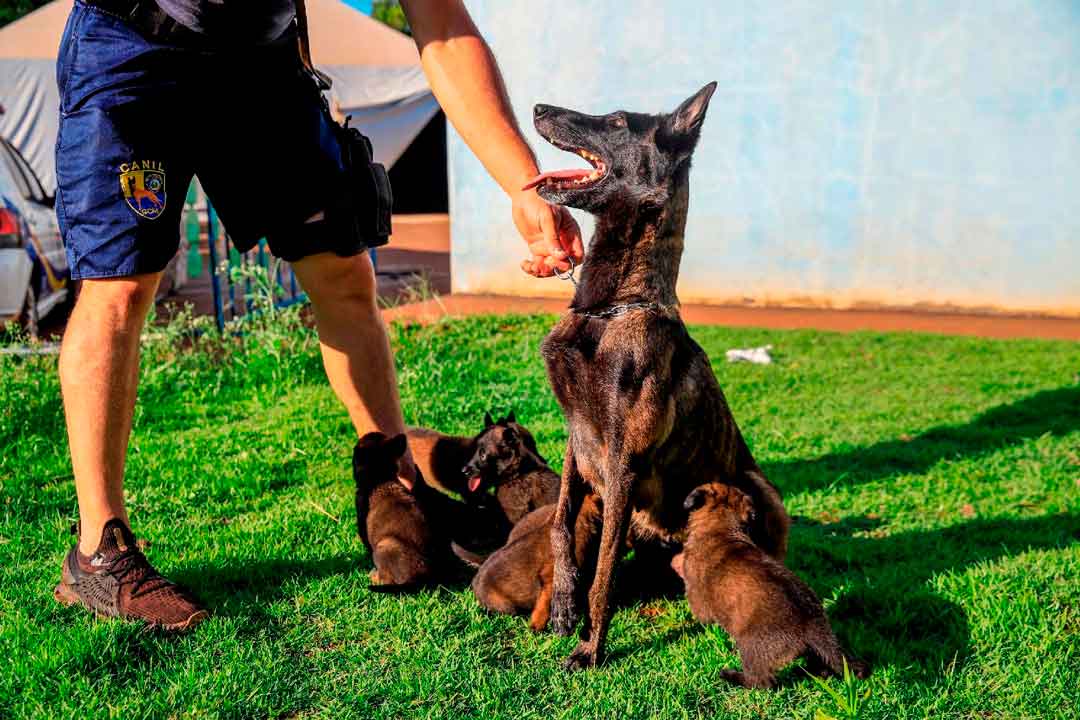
(880, 152)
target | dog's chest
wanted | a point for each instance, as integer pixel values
(589, 361)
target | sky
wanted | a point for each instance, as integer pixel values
(363, 6)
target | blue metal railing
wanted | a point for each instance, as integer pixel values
(286, 290)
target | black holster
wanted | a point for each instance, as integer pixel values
(366, 202)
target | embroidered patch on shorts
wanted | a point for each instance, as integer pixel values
(143, 183)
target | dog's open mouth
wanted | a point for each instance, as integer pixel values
(574, 179)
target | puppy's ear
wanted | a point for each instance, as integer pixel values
(367, 447)
(679, 131)
(694, 500)
(488, 420)
(397, 445)
(511, 417)
(743, 507)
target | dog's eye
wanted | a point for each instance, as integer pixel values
(617, 121)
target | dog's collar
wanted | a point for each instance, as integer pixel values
(622, 308)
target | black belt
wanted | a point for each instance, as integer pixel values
(150, 20)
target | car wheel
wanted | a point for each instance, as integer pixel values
(29, 315)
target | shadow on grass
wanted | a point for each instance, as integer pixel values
(1056, 412)
(885, 611)
(244, 588)
(241, 587)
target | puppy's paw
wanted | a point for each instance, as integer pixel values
(858, 668)
(564, 616)
(733, 676)
(583, 658)
(374, 577)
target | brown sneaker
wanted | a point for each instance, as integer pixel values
(118, 581)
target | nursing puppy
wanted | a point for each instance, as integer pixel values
(517, 579)
(506, 458)
(404, 531)
(772, 615)
(441, 457)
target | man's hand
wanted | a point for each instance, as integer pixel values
(462, 73)
(553, 235)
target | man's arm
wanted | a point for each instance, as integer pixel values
(466, 82)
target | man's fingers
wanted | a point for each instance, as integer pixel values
(570, 235)
(541, 248)
(556, 264)
(548, 223)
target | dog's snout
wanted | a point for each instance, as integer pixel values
(540, 111)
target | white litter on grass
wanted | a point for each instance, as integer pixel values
(758, 355)
(28, 350)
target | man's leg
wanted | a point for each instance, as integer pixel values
(99, 372)
(355, 346)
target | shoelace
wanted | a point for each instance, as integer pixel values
(132, 563)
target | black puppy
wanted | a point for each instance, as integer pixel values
(506, 458)
(646, 417)
(408, 533)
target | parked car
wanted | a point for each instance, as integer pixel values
(34, 275)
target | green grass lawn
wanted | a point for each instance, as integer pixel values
(933, 481)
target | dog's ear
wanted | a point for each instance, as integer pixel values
(680, 129)
(397, 445)
(488, 420)
(747, 515)
(367, 447)
(694, 500)
(688, 117)
(511, 417)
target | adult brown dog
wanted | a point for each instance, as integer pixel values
(772, 615)
(647, 419)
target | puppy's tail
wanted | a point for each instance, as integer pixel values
(831, 658)
(473, 560)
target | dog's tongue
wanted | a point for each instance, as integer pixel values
(474, 483)
(557, 175)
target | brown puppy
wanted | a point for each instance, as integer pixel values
(505, 457)
(405, 545)
(772, 615)
(647, 420)
(441, 457)
(517, 578)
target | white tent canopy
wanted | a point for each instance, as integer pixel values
(376, 73)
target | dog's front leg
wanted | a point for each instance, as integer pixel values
(564, 611)
(590, 651)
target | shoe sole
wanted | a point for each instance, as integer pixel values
(67, 597)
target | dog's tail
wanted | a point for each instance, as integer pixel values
(473, 560)
(830, 658)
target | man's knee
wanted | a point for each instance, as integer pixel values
(120, 300)
(332, 280)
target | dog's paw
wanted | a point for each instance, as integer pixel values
(564, 616)
(733, 676)
(583, 658)
(859, 668)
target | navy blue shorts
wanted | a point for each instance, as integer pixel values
(138, 118)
